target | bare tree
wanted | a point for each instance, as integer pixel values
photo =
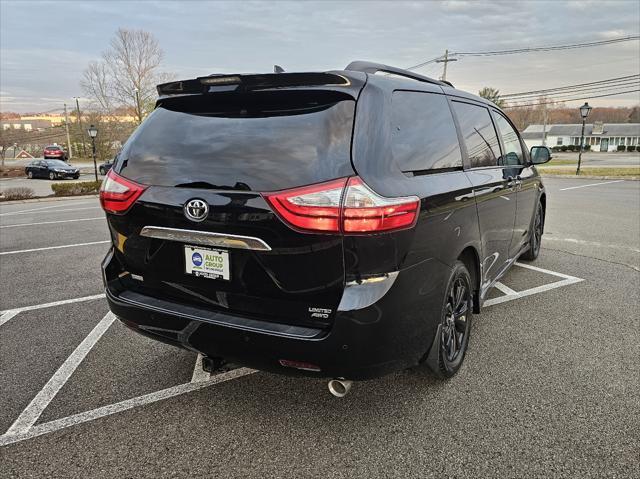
(127, 74)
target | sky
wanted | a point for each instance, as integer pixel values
(45, 45)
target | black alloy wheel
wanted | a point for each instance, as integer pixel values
(536, 235)
(455, 325)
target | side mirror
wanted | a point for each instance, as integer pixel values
(540, 155)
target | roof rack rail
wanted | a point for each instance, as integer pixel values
(372, 67)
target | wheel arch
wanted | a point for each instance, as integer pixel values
(469, 256)
(543, 202)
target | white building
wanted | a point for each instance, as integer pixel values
(601, 136)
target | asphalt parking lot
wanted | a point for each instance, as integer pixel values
(549, 387)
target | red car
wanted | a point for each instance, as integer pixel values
(54, 152)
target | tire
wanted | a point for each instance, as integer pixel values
(52, 175)
(452, 336)
(535, 238)
(76, 177)
(30, 175)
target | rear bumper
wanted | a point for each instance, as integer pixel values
(390, 335)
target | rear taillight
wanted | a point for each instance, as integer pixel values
(346, 206)
(117, 194)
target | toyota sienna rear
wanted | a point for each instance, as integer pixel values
(314, 223)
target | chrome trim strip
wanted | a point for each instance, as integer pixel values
(205, 238)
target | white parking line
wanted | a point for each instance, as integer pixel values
(103, 411)
(53, 222)
(591, 243)
(199, 374)
(34, 307)
(32, 412)
(23, 428)
(61, 204)
(52, 247)
(511, 295)
(504, 288)
(48, 210)
(592, 184)
(7, 315)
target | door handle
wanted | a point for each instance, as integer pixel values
(511, 182)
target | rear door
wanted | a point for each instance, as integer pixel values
(494, 186)
(223, 150)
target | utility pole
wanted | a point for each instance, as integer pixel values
(544, 125)
(66, 127)
(80, 129)
(445, 60)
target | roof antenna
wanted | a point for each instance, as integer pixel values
(278, 69)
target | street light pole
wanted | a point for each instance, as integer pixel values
(93, 132)
(584, 113)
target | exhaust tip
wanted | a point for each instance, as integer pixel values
(339, 387)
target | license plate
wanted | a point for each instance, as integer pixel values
(206, 262)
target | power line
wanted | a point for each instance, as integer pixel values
(582, 90)
(570, 46)
(548, 90)
(527, 105)
(549, 48)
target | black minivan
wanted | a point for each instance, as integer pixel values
(340, 224)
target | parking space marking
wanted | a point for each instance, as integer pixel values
(7, 314)
(566, 280)
(47, 210)
(592, 184)
(52, 222)
(199, 374)
(53, 247)
(63, 204)
(32, 412)
(23, 428)
(504, 288)
(103, 411)
(591, 243)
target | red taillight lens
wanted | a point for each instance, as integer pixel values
(345, 205)
(117, 194)
(365, 211)
(310, 208)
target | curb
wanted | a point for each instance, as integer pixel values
(48, 198)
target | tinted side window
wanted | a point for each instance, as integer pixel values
(512, 148)
(479, 134)
(423, 136)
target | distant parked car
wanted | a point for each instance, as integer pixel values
(105, 167)
(54, 152)
(52, 169)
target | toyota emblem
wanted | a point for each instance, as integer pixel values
(196, 209)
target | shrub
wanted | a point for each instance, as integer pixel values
(555, 148)
(631, 148)
(587, 147)
(19, 193)
(621, 147)
(563, 148)
(78, 188)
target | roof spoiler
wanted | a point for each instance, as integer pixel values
(372, 68)
(222, 82)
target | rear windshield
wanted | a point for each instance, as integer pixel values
(258, 141)
(53, 148)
